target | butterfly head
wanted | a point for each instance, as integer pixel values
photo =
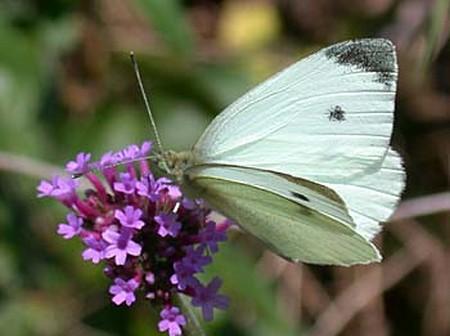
(175, 163)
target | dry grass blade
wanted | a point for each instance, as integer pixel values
(422, 206)
(24, 165)
(419, 246)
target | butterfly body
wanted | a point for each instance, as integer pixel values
(277, 162)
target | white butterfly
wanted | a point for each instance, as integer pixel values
(303, 160)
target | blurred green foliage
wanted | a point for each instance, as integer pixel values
(66, 86)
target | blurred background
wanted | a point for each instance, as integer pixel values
(66, 85)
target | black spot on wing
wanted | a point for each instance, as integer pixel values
(299, 196)
(371, 55)
(336, 114)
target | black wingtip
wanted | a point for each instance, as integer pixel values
(371, 55)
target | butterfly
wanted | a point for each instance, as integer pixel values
(278, 164)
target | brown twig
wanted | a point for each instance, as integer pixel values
(419, 246)
(372, 319)
(421, 206)
(290, 292)
(27, 166)
(313, 295)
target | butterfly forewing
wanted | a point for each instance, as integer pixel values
(372, 197)
(284, 124)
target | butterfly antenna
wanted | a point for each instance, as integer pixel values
(144, 97)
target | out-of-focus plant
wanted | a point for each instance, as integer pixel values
(66, 85)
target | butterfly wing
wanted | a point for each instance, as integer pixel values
(327, 119)
(371, 198)
(327, 116)
(312, 226)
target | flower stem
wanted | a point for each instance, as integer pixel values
(193, 327)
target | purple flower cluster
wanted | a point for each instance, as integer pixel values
(151, 239)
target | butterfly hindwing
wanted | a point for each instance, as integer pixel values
(294, 228)
(314, 196)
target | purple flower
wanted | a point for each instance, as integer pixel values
(72, 228)
(171, 321)
(118, 157)
(95, 249)
(208, 299)
(140, 227)
(80, 165)
(59, 188)
(107, 160)
(148, 187)
(120, 245)
(131, 152)
(168, 224)
(196, 259)
(188, 204)
(146, 148)
(196, 207)
(150, 278)
(183, 276)
(65, 188)
(127, 184)
(128, 154)
(209, 236)
(45, 188)
(130, 217)
(123, 291)
(172, 190)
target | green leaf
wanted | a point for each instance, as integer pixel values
(438, 19)
(249, 292)
(168, 19)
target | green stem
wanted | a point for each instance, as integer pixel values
(193, 326)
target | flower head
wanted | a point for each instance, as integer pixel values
(147, 236)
